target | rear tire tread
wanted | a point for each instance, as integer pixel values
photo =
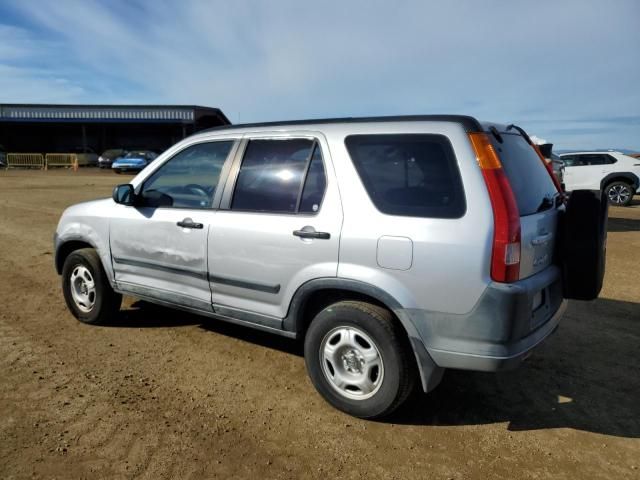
(387, 320)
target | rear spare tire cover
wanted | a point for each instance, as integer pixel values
(583, 245)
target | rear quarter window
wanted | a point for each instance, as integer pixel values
(413, 175)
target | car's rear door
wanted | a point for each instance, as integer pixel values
(599, 165)
(537, 199)
(159, 246)
(278, 225)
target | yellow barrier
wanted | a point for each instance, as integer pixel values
(61, 160)
(25, 160)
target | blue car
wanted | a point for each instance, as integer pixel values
(133, 161)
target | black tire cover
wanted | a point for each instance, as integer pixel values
(583, 244)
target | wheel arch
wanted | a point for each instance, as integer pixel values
(67, 248)
(314, 295)
(64, 248)
(627, 177)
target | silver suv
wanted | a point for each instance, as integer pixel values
(394, 247)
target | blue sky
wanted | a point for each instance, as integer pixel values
(567, 71)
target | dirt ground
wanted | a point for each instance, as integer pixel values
(163, 394)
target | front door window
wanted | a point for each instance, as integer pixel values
(189, 179)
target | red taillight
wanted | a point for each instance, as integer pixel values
(505, 260)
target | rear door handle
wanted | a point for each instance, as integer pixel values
(310, 232)
(188, 223)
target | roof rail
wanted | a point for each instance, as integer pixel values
(470, 124)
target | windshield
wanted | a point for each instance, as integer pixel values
(112, 153)
(137, 155)
(530, 181)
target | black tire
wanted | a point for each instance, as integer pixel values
(117, 170)
(619, 194)
(105, 302)
(583, 244)
(397, 362)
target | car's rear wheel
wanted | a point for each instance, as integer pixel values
(117, 170)
(86, 288)
(359, 359)
(619, 193)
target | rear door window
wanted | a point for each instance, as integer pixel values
(314, 185)
(413, 175)
(596, 159)
(280, 176)
(530, 181)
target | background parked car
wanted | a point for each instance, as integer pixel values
(86, 156)
(616, 174)
(3, 157)
(108, 156)
(134, 161)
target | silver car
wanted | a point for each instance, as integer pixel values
(394, 247)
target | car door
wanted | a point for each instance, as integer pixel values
(278, 226)
(159, 245)
(576, 173)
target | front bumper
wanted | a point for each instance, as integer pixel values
(508, 322)
(128, 166)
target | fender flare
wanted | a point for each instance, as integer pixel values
(58, 243)
(632, 177)
(430, 373)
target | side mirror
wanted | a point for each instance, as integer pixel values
(124, 194)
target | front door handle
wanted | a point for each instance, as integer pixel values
(310, 232)
(188, 223)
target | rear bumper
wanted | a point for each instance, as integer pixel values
(501, 330)
(509, 355)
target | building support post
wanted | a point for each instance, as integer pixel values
(84, 139)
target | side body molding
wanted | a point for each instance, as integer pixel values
(430, 373)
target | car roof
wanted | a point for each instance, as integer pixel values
(470, 124)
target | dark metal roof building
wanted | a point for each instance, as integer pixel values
(56, 128)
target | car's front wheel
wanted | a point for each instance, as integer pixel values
(619, 193)
(86, 288)
(359, 359)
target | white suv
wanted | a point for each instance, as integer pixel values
(616, 174)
